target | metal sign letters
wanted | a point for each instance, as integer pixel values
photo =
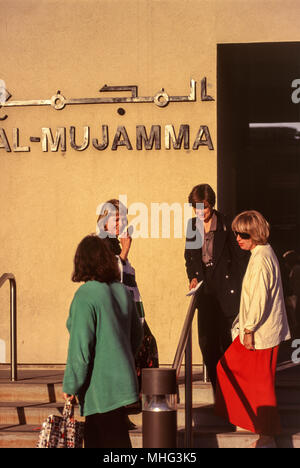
(58, 101)
(144, 138)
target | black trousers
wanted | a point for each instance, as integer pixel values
(107, 430)
(214, 333)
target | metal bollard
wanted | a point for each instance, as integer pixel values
(159, 405)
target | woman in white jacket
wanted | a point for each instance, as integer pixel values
(246, 373)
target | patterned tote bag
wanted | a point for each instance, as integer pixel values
(62, 431)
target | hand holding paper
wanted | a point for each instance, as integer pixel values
(193, 291)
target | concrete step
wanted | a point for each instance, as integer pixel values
(31, 412)
(204, 416)
(19, 436)
(202, 393)
(14, 413)
(215, 437)
(26, 404)
(286, 391)
(30, 392)
(26, 436)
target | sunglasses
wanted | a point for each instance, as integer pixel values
(243, 235)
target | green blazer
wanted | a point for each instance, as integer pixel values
(105, 334)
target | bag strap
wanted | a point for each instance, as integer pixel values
(68, 411)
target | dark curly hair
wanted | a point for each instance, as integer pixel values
(95, 261)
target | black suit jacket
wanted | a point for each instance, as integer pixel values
(229, 264)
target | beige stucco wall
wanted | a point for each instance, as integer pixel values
(48, 199)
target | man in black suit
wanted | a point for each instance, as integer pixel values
(213, 256)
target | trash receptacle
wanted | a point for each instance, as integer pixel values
(159, 405)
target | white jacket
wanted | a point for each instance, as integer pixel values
(262, 308)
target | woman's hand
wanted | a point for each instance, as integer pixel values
(125, 241)
(69, 397)
(249, 340)
(193, 283)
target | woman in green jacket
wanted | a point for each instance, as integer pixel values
(105, 334)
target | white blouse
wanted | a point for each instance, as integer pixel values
(262, 308)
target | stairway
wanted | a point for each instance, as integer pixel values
(25, 404)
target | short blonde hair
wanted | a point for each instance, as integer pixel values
(253, 223)
(110, 208)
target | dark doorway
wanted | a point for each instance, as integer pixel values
(259, 136)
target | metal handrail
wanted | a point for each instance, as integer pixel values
(185, 348)
(183, 340)
(13, 323)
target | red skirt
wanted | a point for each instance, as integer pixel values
(245, 393)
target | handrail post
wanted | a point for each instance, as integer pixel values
(13, 323)
(205, 374)
(13, 329)
(188, 392)
(185, 348)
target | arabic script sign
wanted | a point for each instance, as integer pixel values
(144, 138)
(58, 101)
